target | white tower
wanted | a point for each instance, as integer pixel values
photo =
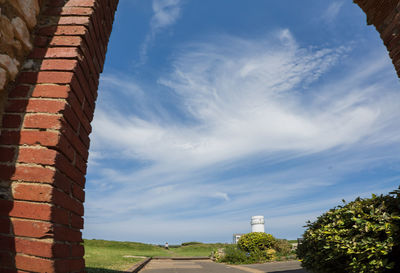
(257, 223)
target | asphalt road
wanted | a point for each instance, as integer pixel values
(207, 266)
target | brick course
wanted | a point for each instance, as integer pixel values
(44, 141)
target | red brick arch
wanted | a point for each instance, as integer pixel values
(44, 138)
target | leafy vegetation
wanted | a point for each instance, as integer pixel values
(256, 247)
(283, 247)
(233, 255)
(196, 250)
(190, 243)
(256, 241)
(362, 236)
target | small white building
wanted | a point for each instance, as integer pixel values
(257, 223)
(236, 237)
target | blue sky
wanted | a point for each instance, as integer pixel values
(210, 112)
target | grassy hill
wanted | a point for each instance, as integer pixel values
(110, 256)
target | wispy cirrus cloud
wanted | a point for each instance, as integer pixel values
(252, 93)
(332, 11)
(165, 14)
(248, 108)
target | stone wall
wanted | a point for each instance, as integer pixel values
(18, 19)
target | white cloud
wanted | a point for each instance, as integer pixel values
(165, 14)
(247, 99)
(247, 103)
(332, 11)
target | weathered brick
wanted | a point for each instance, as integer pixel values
(69, 11)
(37, 155)
(33, 174)
(7, 260)
(44, 138)
(6, 172)
(34, 264)
(60, 216)
(7, 242)
(41, 248)
(90, 51)
(11, 121)
(80, 3)
(34, 247)
(42, 121)
(5, 225)
(70, 265)
(5, 207)
(71, 117)
(34, 229)
(63, 233)
(7, 154)
(65, 166)
(16, 106)
(66, 148)
(74, 20)
(80, 163)
(76, 221)
(59, 64)
(32, 192)
(65, 201)
(61, 250)
(56, 3)
(78, 111)
(77, 250)
(87, 84)
(41, 41)
(37, 53)
(51, 91)
(66, 41)
(63, 30)
(30, 210)
(36, 105)
(89, 63)
(63, 53)
(77, 90)
(45, 77)
(20, 91)
(45, 106)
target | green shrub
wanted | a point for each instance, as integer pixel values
(190, 243)
(234, 255)
(362, 236)
(258, 245)
(255, 241)
(283, 247)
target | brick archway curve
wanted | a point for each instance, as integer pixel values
(44, 137)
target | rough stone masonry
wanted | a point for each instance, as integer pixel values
(18, 19)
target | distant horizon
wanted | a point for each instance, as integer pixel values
(210, 112)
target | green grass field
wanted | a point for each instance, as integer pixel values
(114, 257)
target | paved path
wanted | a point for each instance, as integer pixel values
(206, 266)
(274, 267)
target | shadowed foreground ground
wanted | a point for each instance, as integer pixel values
(101, 270)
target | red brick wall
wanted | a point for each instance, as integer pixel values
(385, 16)
(44, 140)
